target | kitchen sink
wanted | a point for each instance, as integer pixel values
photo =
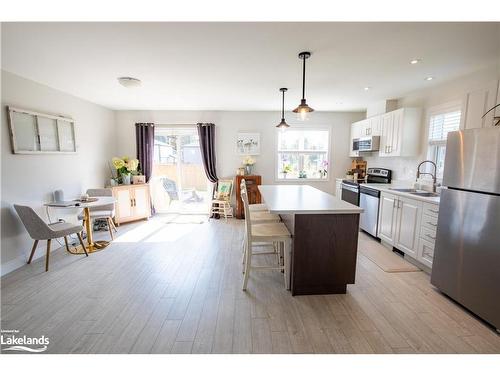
(404, 190)
(424, 194)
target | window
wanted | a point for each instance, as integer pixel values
(440, 124)
(303, 154)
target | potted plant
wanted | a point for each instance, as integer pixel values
(287, 168)
(125, 168)
(302, 174)
(248, 162)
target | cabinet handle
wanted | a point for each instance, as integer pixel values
(135, 203)
(131, 202)
(390, 149)
(394, 203)
(434, 225)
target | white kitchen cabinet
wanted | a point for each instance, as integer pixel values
(357, 131)
(476, 103)
(427, 240)
(374, 126)
(387, 217)
(399, 222)
(400, 132)
(409, 213)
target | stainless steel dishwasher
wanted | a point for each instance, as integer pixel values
(368, 201)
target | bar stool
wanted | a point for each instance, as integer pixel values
(255, 206)
(259, 215)
(270, 233)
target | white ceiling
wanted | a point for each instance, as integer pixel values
(241, 66)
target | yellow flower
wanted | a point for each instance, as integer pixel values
(132, 165)
(118, 163)
(125, 158)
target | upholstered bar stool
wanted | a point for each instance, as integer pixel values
(270, 233)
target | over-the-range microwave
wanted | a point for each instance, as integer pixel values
(371, 143)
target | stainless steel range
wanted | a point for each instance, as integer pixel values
(366, 197)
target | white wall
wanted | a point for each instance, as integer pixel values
(30, 179)
(453, 91)
(228, 124)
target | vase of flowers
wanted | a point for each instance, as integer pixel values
(248, 162)
(323, 171)
(125, 168)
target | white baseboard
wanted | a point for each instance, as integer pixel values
(12, 265)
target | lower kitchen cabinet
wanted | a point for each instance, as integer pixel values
(425, 252)
(400, 223)
(408, 225)
(387, 218)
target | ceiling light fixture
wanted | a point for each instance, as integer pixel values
(303, 109)
(283, 125)
(415, 61)
(129, 82)
(429, 78)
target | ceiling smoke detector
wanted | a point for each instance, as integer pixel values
(129, 82)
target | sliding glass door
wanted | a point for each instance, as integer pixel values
(179, 183)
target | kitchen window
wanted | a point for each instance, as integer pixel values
(303, 154)
(440, 124)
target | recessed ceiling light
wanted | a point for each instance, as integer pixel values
(129, 82)
(367, 88)
(429, 78)
(415, 61)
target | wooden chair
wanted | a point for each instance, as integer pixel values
(106, 211)
(221, 204)
(270, 233)
(39, 230)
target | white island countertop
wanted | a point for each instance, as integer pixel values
(303, 199)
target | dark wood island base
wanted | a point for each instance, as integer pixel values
(324, 251)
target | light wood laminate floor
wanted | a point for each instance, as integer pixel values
(176, 288)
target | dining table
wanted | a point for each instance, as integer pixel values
(93, 202)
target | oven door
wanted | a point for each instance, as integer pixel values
(350, 194)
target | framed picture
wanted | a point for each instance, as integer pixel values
(248, 143)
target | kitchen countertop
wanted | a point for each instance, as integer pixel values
(304, 199)
(387, 188)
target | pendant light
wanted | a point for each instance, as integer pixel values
(283, 125)
(303, 109)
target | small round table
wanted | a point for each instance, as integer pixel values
(92, 246)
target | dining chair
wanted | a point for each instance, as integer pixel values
(39, 230)
(106, 211)
(271, 233)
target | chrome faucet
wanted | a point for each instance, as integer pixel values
(432, 174)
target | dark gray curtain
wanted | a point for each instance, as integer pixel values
(145, 138)
(206, 133)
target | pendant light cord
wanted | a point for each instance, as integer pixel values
(304, 78)
(283, 106)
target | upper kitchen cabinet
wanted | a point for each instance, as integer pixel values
(477, 102)
(400, 132)
(358, 130)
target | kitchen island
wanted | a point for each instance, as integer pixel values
(325, 237)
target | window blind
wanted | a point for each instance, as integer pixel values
(443, 123)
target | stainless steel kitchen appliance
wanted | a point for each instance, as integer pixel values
(366, 197)
(366, 144)
(466, 264)
(369, 199)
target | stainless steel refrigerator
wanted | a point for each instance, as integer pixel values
(466, 264)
